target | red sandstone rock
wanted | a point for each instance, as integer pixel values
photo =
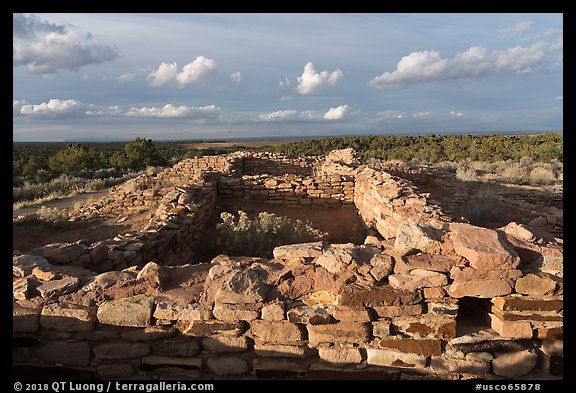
(482, 247)
(515, 364)
(242, 287)
(535, 285)
(514, 329)
(433, 262)
(427, 326)
(410, 345)
(394, 358)
(356, 296)
(488, 288)
(341, 332)
(223, 343)
(154, 273)
(67, 317)
(340, 355)
(317, 315)
(416, 237)
(525, 303)
(280, 332)
(134, 311)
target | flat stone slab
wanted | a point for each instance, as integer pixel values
(135, 311)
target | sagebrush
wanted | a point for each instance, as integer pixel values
(243, 236)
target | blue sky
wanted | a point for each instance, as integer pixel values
(201, 76)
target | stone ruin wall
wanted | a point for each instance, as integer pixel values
(386, 309)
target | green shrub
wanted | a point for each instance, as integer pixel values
(52, 216)
(258, 237)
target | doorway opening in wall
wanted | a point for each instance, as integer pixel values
(472, 315)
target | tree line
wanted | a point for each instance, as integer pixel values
(437, 148)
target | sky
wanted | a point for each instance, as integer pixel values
(215, 76)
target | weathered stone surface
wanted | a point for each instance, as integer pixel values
(166, 309)
(195, 312)
(67, 317)
(335, 259)
(22, 265)
(341, 332)
(515, 364)
(434, 262)
(449, 364)
(149, 333)
(242, 287)
(232, 313)
(466, 273)
(273, 312)
(281, 332)
(398, 311)
(60, 253)
(319, 297)
(436, 293)
(154, 273)
(525, 303)
(179, 346)
(480, 288)
(357, 296)
(535, 285)
(169, 361)
(514, 329)
(108, 279)
(20, 289)
(223, 343)
(24, 319)
(553, 347)
(415, 237)
(382, 266)
(340, 355)
(548, 330)
(427, 326)
(416, 279)
(393, 358)
(482, 247)
(312, 315)
(280, 350)
(519, 231)
(301, 250)
(57, 288)
(410, 345)
(73, 354)
(121, 350)
(206, 328)
(445, 307)
(527, 315)
(228, 365)
(346, 314)
(50, 272)
(381, 328)
(135, 311)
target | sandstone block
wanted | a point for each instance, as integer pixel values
(22, 265)
(223, 343)
(416, 279)
(232, 313)
(195, 312)
(183, 347)
(410, 345)
(393, 358)
(281, 332)
(301, 250)
(57, 288)
(535, 285)
(526, 303)
(73, 354)
(228, 365)
(340, 355)
(482, 247)
(335, 259)
(67, 317)
(515, 364)
(149, 333)
(447, 364)
(242, 287)
(346, 314)
(415, 237)
(319, 298)
(382, 266)
(60, 253)
(20, 289)
(433, 262)
(135, 311)
(514, 329)
(312, 315)
(487, 288)
(381, 328)
(154, 273)
(280, 350)
(24, 319)
(398, 311)
(342, 332)
(206, 328)
(273, 312)
(121, 350)
(357, 296)
(427, 326)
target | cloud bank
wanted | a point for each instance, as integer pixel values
(336, 113)
(195, 72)
(47, 48)
(428, 65)
(311, 82)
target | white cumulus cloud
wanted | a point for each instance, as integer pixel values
(422, 115)
(46, 48)
(126, 77)
(518, 28)
(236, 77)
(456, 114)
(55, 108)
(311, 82)
(428, 65)
(336, 113)
(167, 73)
(279, 115)
(173, 111)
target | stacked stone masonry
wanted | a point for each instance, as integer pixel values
(392, 308)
